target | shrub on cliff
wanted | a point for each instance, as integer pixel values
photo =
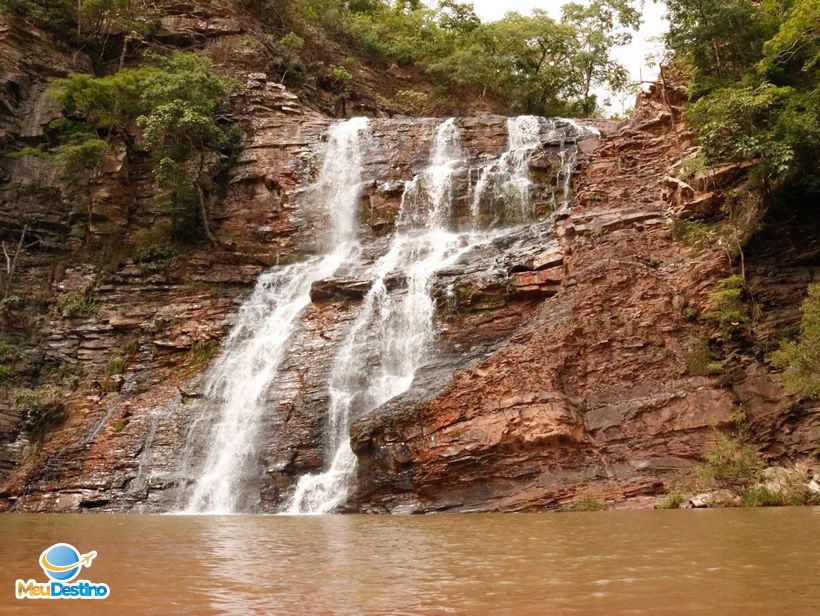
(754, 84)
(171, 103)
(42, 410)
(731, 464)
(89, 24)
(801, 357)
(730, 309)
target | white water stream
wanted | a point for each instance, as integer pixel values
(393, 334)
(507, 179)
(394, 331)
(239, 381)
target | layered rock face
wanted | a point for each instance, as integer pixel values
(136, 440)
(590, 396)
(560, 364)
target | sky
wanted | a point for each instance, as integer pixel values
(632, 56)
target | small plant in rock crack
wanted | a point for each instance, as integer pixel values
(42, 410)
(589, 503)
(801, 358)
(202, 351)
(76, 304)
(730, 308)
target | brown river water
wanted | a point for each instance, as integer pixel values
(730, 561)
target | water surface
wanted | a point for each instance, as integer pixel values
(732, 561)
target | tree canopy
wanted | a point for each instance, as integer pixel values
(172, 101)
(528, 64)
(754, 84)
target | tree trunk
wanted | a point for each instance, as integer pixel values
(124, 50)
(11, 262)
(203, 205)
(205, 217)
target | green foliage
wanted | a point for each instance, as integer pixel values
(801, 358)
(730, 309)
(459, 17)
(796, 39)
(173, 101)
(701, 361)
(42, 410)
(673, 500)
(339, 73)
(292, 41)
(12, 361)
(76, 304)
(52, 13)
(788, 496)
(599, 26)
(157, 258)
(692, 232)
(589, 503)
(762, 497)
(690, 313)
(740, 420)
(203, 351)
(530, 64)
(117, 364)
(9, 352)
(753, 72)
(731, 464)
(720, 39)
(109, 106)
(411, 97)
(89, 23)
(181, 95)
(751, 123)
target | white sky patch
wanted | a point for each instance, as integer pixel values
(633, 56)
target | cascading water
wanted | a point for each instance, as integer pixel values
(568, 156)
(508, 178)
(240, 380)
(394, 331)
(428, 198)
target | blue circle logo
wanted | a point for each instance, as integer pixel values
(62, 562)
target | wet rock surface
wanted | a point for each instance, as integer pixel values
(144, 332)
(589, 393)
(561, 366)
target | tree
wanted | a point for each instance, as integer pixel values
(457, 16)
(534, 54)
(599, 26)
(180, 128)
(755, 88)
(173, 101)
(795, 44)
(720, 38)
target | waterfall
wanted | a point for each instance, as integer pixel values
(427, 199)
(508, 178)
(567, 156)
(394, 331)
(238, 384)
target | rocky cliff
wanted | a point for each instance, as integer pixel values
(593, 395)
(565, 349)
